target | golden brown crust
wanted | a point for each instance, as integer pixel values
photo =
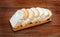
(29, 25)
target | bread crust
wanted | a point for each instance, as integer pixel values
(30, 25)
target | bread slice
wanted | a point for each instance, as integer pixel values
(31, 14)
(26, 16)
(44, 14)
(26, 13)
(36, 14)
(40, 12)
(16, 17)
(47, 14)
(35, 11)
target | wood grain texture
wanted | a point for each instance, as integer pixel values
(8, 8)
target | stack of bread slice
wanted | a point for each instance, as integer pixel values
(25, 18)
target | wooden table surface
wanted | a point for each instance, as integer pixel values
(8, 8)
